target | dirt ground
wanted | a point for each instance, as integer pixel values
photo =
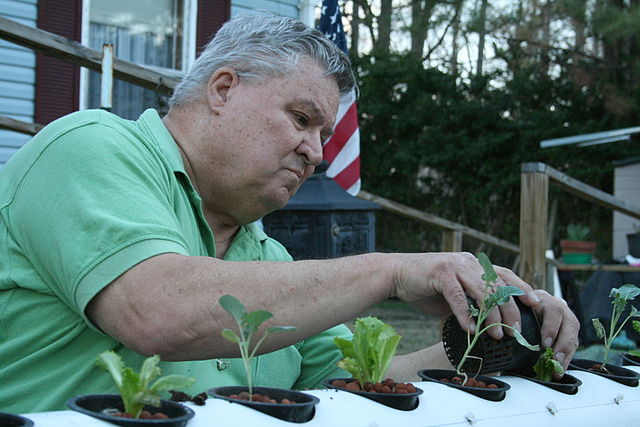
(417, 330)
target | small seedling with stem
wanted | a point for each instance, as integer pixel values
(547, 365)
(136, 389)
(492, 297)
(621, 296)
(248, 324)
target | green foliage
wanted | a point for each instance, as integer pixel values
(368, 354)
(135, 388)
(621, 296)
(546, 366)
(577, 232)
(492, 297)
(248, 324)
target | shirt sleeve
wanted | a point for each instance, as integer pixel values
(93, 204)
(320, 357)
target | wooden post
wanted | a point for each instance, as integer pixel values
(534, 202)
(451, 240)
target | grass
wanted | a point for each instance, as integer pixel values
(418, 330)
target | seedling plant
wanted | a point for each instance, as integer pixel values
(368, 354)
(492, 297)
(546, 366)
(136, 389)
(621, 296)
(248, 324)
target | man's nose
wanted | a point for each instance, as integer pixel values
(311, 148)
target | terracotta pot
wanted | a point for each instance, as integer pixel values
(568, 384)
(617, 373)
(577, 251)
(403, 402)
(494, 394)
(300, 412)
(11, 420)
(497, 356)
(94, 405)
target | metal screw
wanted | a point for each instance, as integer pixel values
(471, 418)
(618, 399)
(552, 408)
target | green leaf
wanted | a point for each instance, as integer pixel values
(232, 306)
(489, 272)
(523, 341)
(600, 332)
(257, 318)
(502, 294)
(474, 311)
(636, 326)
(546, 366)
(274, 329)
(230, 335)
(172, 382)
(626, 292)
(112, 363)
(149, 370)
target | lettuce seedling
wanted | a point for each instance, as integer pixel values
(492, 297)
(135, 388)
(546, 366)
(620, 297)
(248, 323)
(368, 354)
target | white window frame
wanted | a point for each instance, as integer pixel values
(190, 23)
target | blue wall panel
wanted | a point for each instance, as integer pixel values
(17, 76)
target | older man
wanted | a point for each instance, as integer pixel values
(123, 235)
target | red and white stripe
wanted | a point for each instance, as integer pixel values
(342, 150)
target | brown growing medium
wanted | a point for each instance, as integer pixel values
(144, 415)
(387, 386)
(256, 397)
(471, 382)
(179, 396)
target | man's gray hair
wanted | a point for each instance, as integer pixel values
(258, 47)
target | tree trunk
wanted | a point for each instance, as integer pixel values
(481, 36)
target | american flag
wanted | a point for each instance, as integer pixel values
(342, 150)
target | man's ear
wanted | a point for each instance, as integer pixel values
(218, 86)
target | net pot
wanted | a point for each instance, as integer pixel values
(616, 373)
(630, 360)
(568, 384)
(301, 411)
(99, 405)
(403, 402)
(11, 420)
(495, 356)
(493, 394)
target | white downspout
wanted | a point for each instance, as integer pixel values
(308, 11)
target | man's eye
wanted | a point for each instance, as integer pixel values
(302, 119)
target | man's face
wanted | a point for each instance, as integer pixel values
(268, 139)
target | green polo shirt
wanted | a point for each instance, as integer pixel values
(90, 196)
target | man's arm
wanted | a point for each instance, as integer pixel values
(168, 304)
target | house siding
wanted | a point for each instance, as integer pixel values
(17, 77)
(278, 7)
(626, 187)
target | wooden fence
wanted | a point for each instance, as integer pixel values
(535, 176)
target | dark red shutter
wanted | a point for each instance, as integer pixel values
(211, 15)
(57, 82)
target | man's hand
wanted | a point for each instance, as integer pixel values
(438, 283)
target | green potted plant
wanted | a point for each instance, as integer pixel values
(287, 405)
(139, 401)
(619, 299)
(544, 371)
(576, 249)
(367, 356)
(494, 355)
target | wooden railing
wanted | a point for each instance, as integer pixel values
(534, 203)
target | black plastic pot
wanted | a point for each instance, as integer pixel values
(94, 405)
(494, 356)
(630, 360)
(403, 402)
(494, 394)
(568, 384)
(11, 420)
(617, 373)
(300, 412)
